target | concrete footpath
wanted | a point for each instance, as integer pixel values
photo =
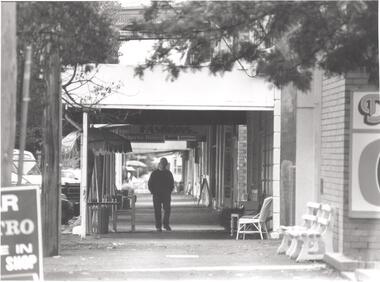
(197, 249)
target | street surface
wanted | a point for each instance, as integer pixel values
(197, 249)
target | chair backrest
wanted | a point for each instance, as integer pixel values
(250, 206)
(312, 208)
(325, 218)
(312, 213)
(265, 209)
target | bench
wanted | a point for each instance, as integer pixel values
(308, 220)
(311, 243)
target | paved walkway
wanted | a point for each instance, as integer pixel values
(186, 215)
(197, 249)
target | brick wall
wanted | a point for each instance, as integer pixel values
(242, 161)
(358, 238)
(361, 236)
(334, 151)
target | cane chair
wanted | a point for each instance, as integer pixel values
(257, 223)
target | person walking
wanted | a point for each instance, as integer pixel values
(161, 185)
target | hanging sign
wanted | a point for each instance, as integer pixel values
(160, 133)
(21, 241)
(365, 155)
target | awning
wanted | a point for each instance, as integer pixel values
(234, 91)
(100, 141)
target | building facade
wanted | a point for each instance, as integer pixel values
(323, 158)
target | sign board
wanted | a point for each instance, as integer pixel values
(143, 138)
(160, 133)
(364, 189)
(21, 238)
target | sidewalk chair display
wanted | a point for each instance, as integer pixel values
(246, 208)
(257, 223)
(126, 205)
(313, 242)
(309, 219)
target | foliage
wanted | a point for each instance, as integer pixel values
(281, 40)
(82, 32)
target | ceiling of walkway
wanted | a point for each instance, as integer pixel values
(165, 117)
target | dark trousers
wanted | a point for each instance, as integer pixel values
(159, 202)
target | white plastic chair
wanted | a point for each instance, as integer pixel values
(257, 223)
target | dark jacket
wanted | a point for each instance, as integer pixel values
(161, 182)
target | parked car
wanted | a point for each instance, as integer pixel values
(68, 176)
(32, 175)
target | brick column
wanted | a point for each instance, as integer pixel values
(242, 162)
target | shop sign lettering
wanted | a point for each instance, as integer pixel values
(367, 107)
(20, 249)
(365, 155)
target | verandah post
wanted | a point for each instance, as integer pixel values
(83, 185)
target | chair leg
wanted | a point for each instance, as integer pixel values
(299, 244)
(237, 231)
(260, 231)
(266, 230)
(284, 246)
(304, 252)
(292, 247)
(232, 225)
(314, 249)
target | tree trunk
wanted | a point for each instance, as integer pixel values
(51, 186)
(8, 89)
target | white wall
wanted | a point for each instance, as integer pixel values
(307, 149)
(305, 166)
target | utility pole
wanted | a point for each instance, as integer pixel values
(51, 150)
(8, 89)
(24, 111)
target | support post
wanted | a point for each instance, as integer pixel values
(51, 152)
(8, 88)
(276, 163)
(118, 171)
(83, 185)
(133, 212)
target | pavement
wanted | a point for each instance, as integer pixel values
(198, 248)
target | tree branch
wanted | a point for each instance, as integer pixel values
(71, 79)
(237, 59)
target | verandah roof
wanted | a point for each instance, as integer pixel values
(191, 91)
